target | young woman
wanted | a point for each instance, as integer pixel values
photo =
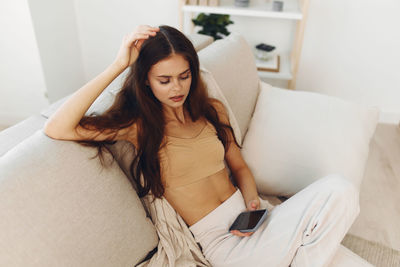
(182, 137)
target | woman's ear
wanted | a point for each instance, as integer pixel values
(147, 83)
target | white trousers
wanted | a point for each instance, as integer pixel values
(305, 230)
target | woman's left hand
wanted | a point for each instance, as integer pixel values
(253, 204)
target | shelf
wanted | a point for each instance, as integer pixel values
(296, 11)
(284, 71)
(291, 9)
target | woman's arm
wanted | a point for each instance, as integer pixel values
(64, 123)
(243, 176)
(247, 185)
(65, 120)
(239, 169)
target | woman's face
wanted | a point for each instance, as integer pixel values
(169, 78)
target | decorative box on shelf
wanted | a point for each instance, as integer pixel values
(203, 2)
(272, 64)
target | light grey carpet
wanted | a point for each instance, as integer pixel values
(375, 253)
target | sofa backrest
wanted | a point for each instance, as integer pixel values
(60, 208)
(232, 64)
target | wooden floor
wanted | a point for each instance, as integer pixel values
(379, 218)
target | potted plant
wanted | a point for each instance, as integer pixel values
(213, 24)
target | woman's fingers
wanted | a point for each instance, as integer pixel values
(144, 30)
(238, 233)
(139, 43)
(131, 44)
(253, 204)
(146, 27)
(134, 37)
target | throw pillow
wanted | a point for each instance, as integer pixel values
(297, 137)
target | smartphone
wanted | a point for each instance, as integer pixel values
(249, 221)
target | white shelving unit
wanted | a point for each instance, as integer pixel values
(295, 10)
(260, 9)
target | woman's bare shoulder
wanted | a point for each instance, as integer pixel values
(221, 109)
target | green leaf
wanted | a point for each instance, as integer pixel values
(213, 24)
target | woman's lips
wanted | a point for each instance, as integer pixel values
(177, 99)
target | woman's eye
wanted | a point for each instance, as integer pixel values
(182, 78)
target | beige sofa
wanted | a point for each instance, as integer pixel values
(60, 208)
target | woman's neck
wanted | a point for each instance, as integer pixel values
(178, 114)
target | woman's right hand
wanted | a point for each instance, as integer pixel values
(131, 44)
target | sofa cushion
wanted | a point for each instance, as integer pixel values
(232, 64)
(296, 137)
(59, 208)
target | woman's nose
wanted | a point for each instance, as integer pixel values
(176, 84)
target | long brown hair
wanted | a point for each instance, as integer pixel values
(136, 103)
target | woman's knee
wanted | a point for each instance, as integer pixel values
(343, 190)
(340, 182)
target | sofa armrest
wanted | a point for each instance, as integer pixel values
(60, 207)
(14, 135)
(200, 41)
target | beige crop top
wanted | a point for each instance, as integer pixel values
(187, 160)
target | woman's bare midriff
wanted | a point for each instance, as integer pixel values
(194, 201)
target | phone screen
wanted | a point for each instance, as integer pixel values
(247, 220)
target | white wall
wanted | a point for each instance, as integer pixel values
(57, 37)
(103, 23)
(352, 50)
(22, 85)
(41, 57)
